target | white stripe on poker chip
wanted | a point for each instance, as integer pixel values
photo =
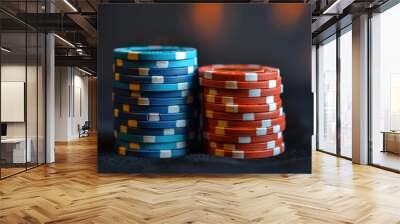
(180, 55)
(271, 83)
(149, 139)
(229, 146)
(173, 109)
(221, 123)
(180, 123)
(261, 131)
(190, 69)
(272, 106)
(251, 76)
(195, 61)
(276, 128)
(169, 131)
(227, 99)
(144, 71)
(231, 84)
(162, 64)
(277, 151)
(248, 117)
(143, 101)
(238, 154)
(154, 117)
(281, 111)
(208, 75)
(280, 135)
(183, 85)
(184, 93)
(210, 98)
(157, 79)
(165, 154)
(232, 108)
(269, 99)
(282, 88)
(271, 144)
(266, 123)
(180, 145)
(254, 92)
(244, 139)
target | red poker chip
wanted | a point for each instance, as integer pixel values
(245, 147)
(244, 92)
(243, 116)
(270, 84)
(242, 131)
(241, 100)
(241, 139)
(247, 154)
(250, 124)
(239, 72)
(243, 108)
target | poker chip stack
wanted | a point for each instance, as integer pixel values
(153, 100)
(243, 115)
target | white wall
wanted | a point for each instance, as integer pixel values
(71, 102)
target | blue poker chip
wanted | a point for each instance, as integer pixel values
(145, 101)
(162, 154)
(138, 53)
(151, 124)
(152, 116)
(188, 70)
(152, 146)
(155, 64)
(154, 131)
(166, 94)
(171, 109)
(153, 138)
(154, 79)
(153, 87)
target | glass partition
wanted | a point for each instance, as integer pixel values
(385, 89)
(327, 96)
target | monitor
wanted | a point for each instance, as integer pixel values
(3, 129)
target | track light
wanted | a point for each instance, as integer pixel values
(64, 40)
(84, 71)
(70, 5)
(5, 50)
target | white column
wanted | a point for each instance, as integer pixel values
(360, 90)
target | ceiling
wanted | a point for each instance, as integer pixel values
(76, 22)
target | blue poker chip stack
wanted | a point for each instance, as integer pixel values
(154, 105)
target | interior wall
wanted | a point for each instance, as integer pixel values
(71, 102)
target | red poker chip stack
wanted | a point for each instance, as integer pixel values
(243, 115)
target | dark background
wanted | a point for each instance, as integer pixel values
(278, 35)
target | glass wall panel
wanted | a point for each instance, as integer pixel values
(14, 153)
(346, 94)
(385, 89)
(327, 96)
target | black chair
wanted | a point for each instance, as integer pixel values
(84, 130)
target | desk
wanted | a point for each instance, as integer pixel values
(391, 141)
(13, 150)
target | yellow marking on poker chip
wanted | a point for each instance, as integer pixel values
(119, 62)
(116, 76)
(132, 123)
(133, 56)
(209, 113)
(116, 112)
(219, 131)
(122, 150)
(134, 146)
(218, 152)
(125, 108)
(134, 87)
(123, 129)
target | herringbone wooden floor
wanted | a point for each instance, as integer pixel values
(71, 191)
